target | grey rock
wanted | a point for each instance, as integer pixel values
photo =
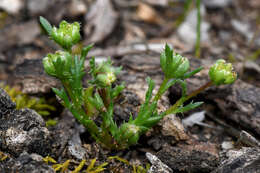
(31, 76)
(217, 3)
(172, 126)
(238, 161)
(67, 132)
(38, 6)
(75, 147)
(157, 165)
(77, 7)
(6, 104)
(200, 157)
(26, 163)
(243, 28)
(19, 34)
(22, 130)
(187, 30)
(12, 6)
(101, 21)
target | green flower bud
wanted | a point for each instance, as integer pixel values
(130, 133)
(106, 79)
(48, 66)
(67, 34)
(58, 64)
(222, 73)
(106, 73)
(173, 65)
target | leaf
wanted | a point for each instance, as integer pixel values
(46, 25)
(149, 92)
(189, 74)
(117, 90)
(92, 65)
(187, 107)
(83, 55)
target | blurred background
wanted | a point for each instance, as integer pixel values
(229, 29)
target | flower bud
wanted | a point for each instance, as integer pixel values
(106, 74)
(222, 73)
(130, 133)
(106, 79)
(48, 66)
(173, 65)
(67, 34)
(58, 64)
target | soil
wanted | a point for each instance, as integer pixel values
(220, 136)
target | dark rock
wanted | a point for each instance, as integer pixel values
(25, 163)
(64, 131)
(24, 130)
(21, 130)
(243, 160)
(75, 147)
(242, 100)
(127, 104)
(6, 104)
(157, 165)
(192, 158)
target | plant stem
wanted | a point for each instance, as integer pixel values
(183, 99)
(197, 47)
(160, 91)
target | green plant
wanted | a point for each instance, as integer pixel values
(98, 98)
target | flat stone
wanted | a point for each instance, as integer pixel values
(243, 160)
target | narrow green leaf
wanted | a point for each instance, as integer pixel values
(99, 101)
(150, 122)
(84, 53)
(149, 92)
(92, 65)
(189, 74)
(187, 107)
(46, 25)
(117, 90)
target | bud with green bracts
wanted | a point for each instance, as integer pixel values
(222, 73)
(106, 74)
(66, 35)
(106, 79)
(129, 133)
(58, 64)
(173, 65)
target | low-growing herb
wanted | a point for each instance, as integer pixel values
(99, 96)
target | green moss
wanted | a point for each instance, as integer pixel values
(22, 100)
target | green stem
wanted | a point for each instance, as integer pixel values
(183, 99)
(79, 113)
(197, 47)
(160, 91)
